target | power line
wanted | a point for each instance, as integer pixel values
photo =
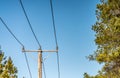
(29, 23)
(27, 64)
(19, 43)
(43, 68)
(58, 65)
(11, 32)
(53, 20)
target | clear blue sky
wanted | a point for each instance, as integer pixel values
(73, 18)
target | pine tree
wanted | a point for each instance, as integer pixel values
(7, 68)
(107, 28)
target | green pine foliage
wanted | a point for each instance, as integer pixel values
(7, 68)
(107, 28)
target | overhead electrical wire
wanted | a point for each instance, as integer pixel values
(43, 68)
(11, 32)
(19, 43)
(29, 23)
(53, 20)
(58, 65)
(32, 32)
(28, 64)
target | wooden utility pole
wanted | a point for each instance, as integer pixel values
(39, 58)
(39, 64)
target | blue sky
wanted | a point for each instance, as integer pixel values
(73, 19)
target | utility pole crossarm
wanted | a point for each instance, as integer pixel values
(39, 50)
(39, 58)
